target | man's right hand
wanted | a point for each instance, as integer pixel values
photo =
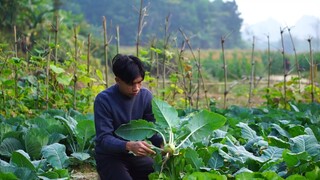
(139, 148)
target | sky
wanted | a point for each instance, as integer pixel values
(286, 12)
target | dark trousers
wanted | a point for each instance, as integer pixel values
(127, 167)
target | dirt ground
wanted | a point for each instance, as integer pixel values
(84, 172)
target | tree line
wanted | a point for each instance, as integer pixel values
(205, 22)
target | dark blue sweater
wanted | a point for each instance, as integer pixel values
(111, 109)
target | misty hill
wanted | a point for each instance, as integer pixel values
(306, 27)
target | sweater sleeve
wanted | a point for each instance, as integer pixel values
(106, 141)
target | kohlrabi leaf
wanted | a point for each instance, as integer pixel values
(306, 143)
(136, 130)
(166, 116)
(192, 157)
(22, 159)
(56, 155)
(246, 132)
(203, 123)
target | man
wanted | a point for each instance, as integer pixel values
(124, 101)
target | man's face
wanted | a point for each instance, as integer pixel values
(130, 89)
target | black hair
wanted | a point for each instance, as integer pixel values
(127, 67)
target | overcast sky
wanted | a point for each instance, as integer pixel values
(286, 12)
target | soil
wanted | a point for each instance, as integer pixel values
(84, 172)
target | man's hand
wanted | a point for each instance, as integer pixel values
(139, 148)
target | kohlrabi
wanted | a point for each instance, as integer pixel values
(174, 130)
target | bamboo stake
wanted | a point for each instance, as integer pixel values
(88, 56)
(269, 63)
(75, 68)
(106, 50)
(118, 39)
(198, 82)
(15, 67)
(284, 71)
(56, 30)
(165, 46)
(225, 74)
(158, 71)
(185, 89)
(48, 75)
(141, 24)
(311, 70)
(252, 72)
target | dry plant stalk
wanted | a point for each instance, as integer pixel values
(269, 64)
(15, 67)
(118, 39)
(141, 24)
(284, 71)
(225, 73)
(88, 56)
(182, 69)
(296, 59)
(165, 47)
(106, 44)
(198, 68)
(48, 75)
(252, 72)
(311, 70)
(56, 30)
(75, 68)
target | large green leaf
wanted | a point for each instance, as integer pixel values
(281, 131)
(166, 116)
(204, 176)
(272, 153)
(21, 159)
(246, 132)
(203, 123)
(293, 159)
(136, 130)
(85, 131)
(192, 157)
(35, 139)
(216, 161)
(8, 176)
(9, 145)
(56, 155)
(81, 156)
(275, 141)
(61, 174)
(306, 143)
(235, 153)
